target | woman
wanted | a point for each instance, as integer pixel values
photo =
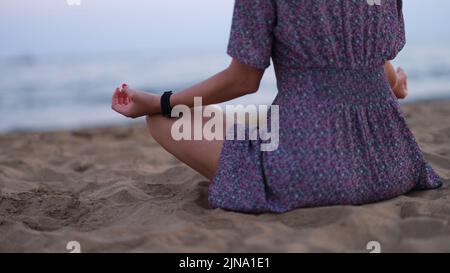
(343, 139)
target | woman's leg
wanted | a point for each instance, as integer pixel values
(201, 155)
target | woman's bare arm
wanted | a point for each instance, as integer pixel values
(237, 80)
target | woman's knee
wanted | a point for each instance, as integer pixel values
(158, 126)
(148, 121)
(151, 123)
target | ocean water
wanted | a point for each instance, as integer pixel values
(47, 92)
(60, 63)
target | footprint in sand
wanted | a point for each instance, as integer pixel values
(80, 167)
(43, 210)
(161, 192)
(424, 227)
(196, 200)
(202, 200)
(439, 209)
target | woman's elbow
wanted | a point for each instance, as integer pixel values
(246, 78)
(251, 87)
(245, 85)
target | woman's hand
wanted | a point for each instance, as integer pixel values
(401, 87)
(134, 104)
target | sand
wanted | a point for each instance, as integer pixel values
(115, 189)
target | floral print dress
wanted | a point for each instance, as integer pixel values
(343, 139)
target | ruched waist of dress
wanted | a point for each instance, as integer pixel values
(331, 86)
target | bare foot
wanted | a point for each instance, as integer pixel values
(401, 88)
(134, 104)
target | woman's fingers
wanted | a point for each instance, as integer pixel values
(122, 98)
(126, 97)
(403, 73)
(115, 101)
(403, 77)
(115, 97)
(402, 83)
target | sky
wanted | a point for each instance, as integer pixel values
(53, 26)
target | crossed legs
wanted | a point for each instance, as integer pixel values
(200, 155)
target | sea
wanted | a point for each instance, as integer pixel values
(68, 91)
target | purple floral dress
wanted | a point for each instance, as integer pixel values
(343, 137)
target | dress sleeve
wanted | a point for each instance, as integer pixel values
(251, 34)
(401, 35)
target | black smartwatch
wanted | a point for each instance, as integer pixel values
(166, 109)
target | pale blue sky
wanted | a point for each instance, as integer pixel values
(51, 26)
